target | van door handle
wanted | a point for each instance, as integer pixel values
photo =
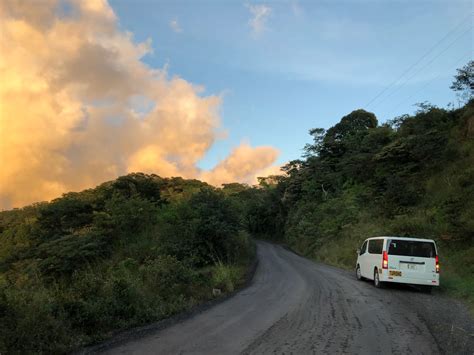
(413, 262)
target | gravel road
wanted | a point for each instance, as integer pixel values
(296, 306)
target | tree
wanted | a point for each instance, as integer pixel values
(318, 139)
(356, 121)
(202, 230)
(350, 128)
(463, 82)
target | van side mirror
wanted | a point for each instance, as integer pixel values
(358, 251)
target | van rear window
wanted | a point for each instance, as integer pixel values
(411, 248)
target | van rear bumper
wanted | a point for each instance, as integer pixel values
(429, 281)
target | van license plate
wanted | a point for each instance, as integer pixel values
(395, 273)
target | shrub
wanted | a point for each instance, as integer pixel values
(225, 277)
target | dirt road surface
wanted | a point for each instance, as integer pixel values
(296, 306)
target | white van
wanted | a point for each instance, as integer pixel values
(396, 259)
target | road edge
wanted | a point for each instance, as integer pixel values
(138, 332)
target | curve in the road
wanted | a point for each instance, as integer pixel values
(300, 307)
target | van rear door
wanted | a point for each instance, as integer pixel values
(415, 259)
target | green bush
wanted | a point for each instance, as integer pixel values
(32, 322)
(225, 277)
(203, 230)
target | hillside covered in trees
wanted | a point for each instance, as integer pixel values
(129, 252)
(411, 176)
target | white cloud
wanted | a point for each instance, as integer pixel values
(259, 16)
(174, 24)
(85, 108)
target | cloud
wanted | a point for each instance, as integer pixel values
(78, 106)
(296, 8)
(174, 24)
(259, 15)
(244, 164)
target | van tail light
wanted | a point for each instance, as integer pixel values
(385, 260)
(437, 264)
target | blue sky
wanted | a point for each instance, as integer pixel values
(287, 66)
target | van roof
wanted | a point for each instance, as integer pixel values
(403, 238)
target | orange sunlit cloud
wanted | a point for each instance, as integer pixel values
(79, 107)
(244, 164)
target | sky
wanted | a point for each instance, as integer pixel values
(287, 66)
(221, 91)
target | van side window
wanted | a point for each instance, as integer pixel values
(364, 248)
(375, 246)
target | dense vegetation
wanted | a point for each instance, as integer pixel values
(128, 252)
(411, 176)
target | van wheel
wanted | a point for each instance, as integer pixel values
(377, 282)
(358, 273)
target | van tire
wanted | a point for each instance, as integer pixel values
(358, 273)
(377, 282)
